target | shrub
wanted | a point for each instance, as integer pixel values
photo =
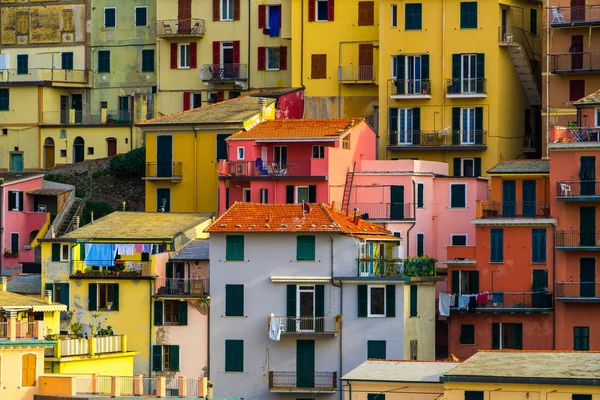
(54, 178)
(99, 208)
(130, 164)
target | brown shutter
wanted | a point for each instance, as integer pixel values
(186, 101)
(311, 10)
(193, 55)
(236, 51)
(319, 66)
(216, 53)
(262, 16)
(220, 96)
(216, 10)
(236, 10)
(282, 58)
(262, 58)
(330, 10)
(173, 55)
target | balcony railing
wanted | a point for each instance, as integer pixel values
(196, 287)
(357, 74)
(385, 211)
(3, 330)
(224, 72)
(91, 346)
(576, 62)
(268, 168)
(578, 190)
(574, 134)
(70, 76)
(466, 87)
(180, 27)
(506, 301)
(305, 326)
(584, 291)
(171, 170)
(409, 88)
(292, 381)
(454, 139)
(575, 239)
(383, 267)
(78, 117)
(575, 16)
(493, 209)
(122, 269)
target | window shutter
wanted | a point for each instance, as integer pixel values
(455, 282)
(416, 119)
(169, 271)
(291, 308)
(516, 337)
(330, 10)
(480, 66)
(216, 53)
(92, 296)
(477, 166)
(424, 66)
(186, 100)
(236, 11)
(174, 358)
(262, 58)
(456, 167)
(193, 55)
(420, 244)
(311, 10)
(64, 294)
(312, 193)
(283, 58)
(319, 300)
(220, 96)
(478, 121)
(156, 357)
(82, 251)
(456, 126)
(262, 16)
(21, 200)
(289, 194)
(400, 61)
(158, 313)
(216, 10)
(49, 286)
(236, 50)
(12, 200)
(183, 313)
(115, 302)
(420, 195)
(474, 282)
(495, 336)
(55, 251)
(362, 300)
(173, 55)
(414, 302)
(456, 70)
(457, 196)
(376, 349)
(234, 355)
(234, 300)
(393, 126)
(390, 301)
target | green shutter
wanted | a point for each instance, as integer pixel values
(533, 21)
(538, 245)
(516, 337)
(376, 349)
(420, 244)
(413, 16)
(22, 64)
(82, 251)
(457, 196)
(305, 248)
(456, 126)
(477, 166)
(456, 165)
(362, 301)
(234, 356)
(115, 299)
(55, 251)
(234, 248)
(140, 16)
(497, 245)
(495, 336)
(92, 296)
(468, 15)
(478, 122)
(319, 300)
(416, 119)
(64, 294)
(156, 357)
(393, 129)
(473, 282)
(158, 313)
(312, 193)
(424, 66)
(49, 286)
(289, 194)
(291, 308)
(174, 358)
(147, 60)
(420, 195)
(456, 69)
(183, 313)
(539, 280)
(400, 68)
(390, 301)
(4, 100)
(455, 282)
(234, 300)
(414, 292)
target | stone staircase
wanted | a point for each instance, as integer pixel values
(68, 222)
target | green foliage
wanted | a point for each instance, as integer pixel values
(54, 178)
(77, 329)
(99, 208)
(130, 164)
(98, 328)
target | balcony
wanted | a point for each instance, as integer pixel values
(68, 77)
(460, 256)
(121, 270)
(305, 326)
(176, 28)
(578, 240)
(466, 88)
(568, 16)
(578, 292)
(493, 209)
(224, 72)
(409, 89)
(385, 211)
(357, 74)
(578, 190)
(164, 171)
(258, 169)
(173, 287)
(70, 347)
(574, 63)
(438, 140)
(573, 136)
(396, 268)
(508, 302)
(78, 117)
(298, 382)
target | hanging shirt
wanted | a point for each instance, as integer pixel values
(444, 304)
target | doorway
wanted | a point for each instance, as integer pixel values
(164, 156)
(587, 277)
(577, 10)
(77, 105)
(505, 32)
(229, 69)
(305, 364)
(184, 16)
(509, 198)
(396, 202)
(111, 144)
(78, 149)
(529, 205)
(587, 226)
(305, 309)
(576, 51)
(365, 61)
(48, 153)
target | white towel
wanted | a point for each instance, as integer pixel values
(125, 249)
(274, 331)
(444, 305)
(463, 301)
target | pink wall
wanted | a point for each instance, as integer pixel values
(290, 106)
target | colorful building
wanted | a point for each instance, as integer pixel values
(501, 289)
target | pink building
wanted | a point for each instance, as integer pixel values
(291, 161)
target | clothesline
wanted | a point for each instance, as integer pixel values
(103, 254)
(467, 301)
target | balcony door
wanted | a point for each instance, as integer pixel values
(365, 61)
(587, 175)
(577, 10)
(305, 311)
(576, 51)
(587, 226)
(405, 126)
(509, 196)
(467, 125)
(587, 277)
(280, 156)
(305, 364)
(64, 110)
(77, 105)
(164, 156)
(529, 207)
(184, 16)
(396, 203)
(469, 73)
(413, 74)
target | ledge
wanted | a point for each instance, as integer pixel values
(513, 221)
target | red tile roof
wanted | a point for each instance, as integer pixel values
(254, 217)
(298, 129)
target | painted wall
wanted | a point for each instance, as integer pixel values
(11, 359)
(420, 328)
(115, 364)
(394, 390)
(455, 391)
(290, 106)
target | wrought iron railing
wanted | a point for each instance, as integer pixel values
(575, 189)
(182, 287)
(224, 72)
(268, 168)
(494, 209)
(575, 15)
(305, 325)
(384, 211)
(164, 170)
(515, 301)
(574, 62)
(94, 269)
(70, 76)
(438, 138)
(357, 73)
(409, 87)
(583, 290)
(465, 86)
(289, 380)
(577, 238)
(180, 27)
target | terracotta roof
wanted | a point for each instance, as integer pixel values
(298, 129)
(589, 100)
(254, 217)
(521, 167)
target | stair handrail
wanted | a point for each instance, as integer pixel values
(77, 211)
(60, 216)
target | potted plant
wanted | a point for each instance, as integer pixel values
(338, 318)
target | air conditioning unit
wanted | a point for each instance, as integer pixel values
(42, 208)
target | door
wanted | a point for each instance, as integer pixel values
(184, 16)
(529, 207)
(164, 156)
(396, 202)
(280, 157)
(577, 10)
(587, 226)
(16, 162)
(48, 153)
(504, 24)
(111, 144)
(587, 175)
(305, 364)
(227, 60)
(77, 105)
(264, 155)
(576, 51)
(405, 124)
(413, 74)
(469, 65)
(64, 109)
(365, 61)
(305, 309)
(124, 109)
(78, 149)
(587, 277)
(509, 196)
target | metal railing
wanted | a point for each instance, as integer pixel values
(92, 385)
(69, 76)
(180, 27)
(179, 287)
(357, 73)
(575, 15)
(578, 289)
(494, 209)
(305, 325)
(388, 267)
(529, 142)
(409, 87)
(515, 301)
(438, 138)
(575, 62)
(286, 380)
(78, 117)
(268, 168)
(3, 330)
(384, 211)
(465, 86)
(149, 385)
(224, 72)
(89, 269)
(164, 170)
(171, 387)
(574, 134)
(127, 385)
(575, 189)
(577, 238)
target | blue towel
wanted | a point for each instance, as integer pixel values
(100, 255)
(498, 297)
(274, 21)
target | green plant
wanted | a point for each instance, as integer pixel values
(131, 164)
(98, 328)
(54, 178)
(77, 329)
(99, 208)
(572, 124)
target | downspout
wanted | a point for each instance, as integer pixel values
(554, 297)
(150, 327)
(302, 47)
(249, 44)
(412, 225)
(339, 84)
(195, 166)
(2, 202)
(547, 75)
(341, 309)
(443, 64)
(131, 135)
(350, 387)
(208, 334)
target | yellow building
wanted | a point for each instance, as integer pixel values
(109, 267)
(183, 149)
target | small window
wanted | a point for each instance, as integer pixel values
(413, 17)
(376, 301)
(376, 349)
(246, 195)
(581, 338)
(234, 356)
(22, 64)
(240, 153)
(459, 240)
(420, 244)
(227, 10)
(375, 396)
(15, 200)
(318, 152)
(468, 15)
(165, 358)
(346, 142)
(467, 166)
(148, 60)
(104, 61)
(110, 17)
(420, 195)
(171, 312)
(467, 334)
(234, 248)
(496, 245)
(302, 194)
(63, 153)
(141, 16)
(533, 21)
(538, 245)
(90, 151)
(366, 13)
(65, 252)
(264, 196)
(196, 100)
(322, 11)
(5, 131)
(14, 243)
(66, 60)
(318, 66)
(213, 97)
(414, 300)
(4, 99)
(394, 15)
(273, 57)
(458, 195)
(273, 12)
(473, 395)
(184, 55)
(305, 248)
(233, 94)
(507, 336)
(106, 296)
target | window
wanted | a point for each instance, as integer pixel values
(273, 57)
(163, 199)
(104, 61)
(196, 100)
(234, 94)
(22, 64)
(538, 245)
(66, 60)
(213, 97)
(420, 195)
(376, 349)
(234, 300)
(322, 10)
(581, 397)
(165, 358)
(465, 282)
(171, 311)
(90, 151)
(264, 196)
(458, 195)
(148, 60)
(22, 23)
(405, 126)
(227, 10)
(467, 126)
(141, 16)
(110, 17)
(533, 21)
(4, 99)
(65, 252)
(576, 89)
(467, 167)
(507, 336)
(318, 152)
(459, 240)
(273, 19)
(581, 338)
(63, 153)
(184, 55)
(246, 195)
(14, 243)
(318, 66)
(413, 17)
(376, 301)
(234, 356)
(394, 15)
(496, 245)
(15, 200)
(234, 248)
(539, 281)
(28, 370)
(468, 14)
(414, 300)
(305, 248)
(412, 73)
(473, 395)
(420, 244)
(346, 142)
(366, 13)
(375, 396)
(467, 334)
(469, 73)
(67, 17)
(240, 153)
(106, 296)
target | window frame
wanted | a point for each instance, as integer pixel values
(268, 50)
(109, 296)
(226, 7)
(320, 149)
(317, 4)
(171, 308)
(144, 66)
(62, 253)
(464, 207)
(115, 16)
(462, 336)
(297, 194)
(462, 167)
(4, 99)
(241, 153)
(453, 235)
(135, 21)
(393, 15)
(467, 24)
(187, 54)
(412, 13)
(369, 314)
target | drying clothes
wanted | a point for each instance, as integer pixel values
(463, 301)
(472, 302)
(481, 299)
(275, 328)
(274, 21)
(444, 304)
(497, 297)
(452, 300)
(100, 255)
(139, 248)
(125, 249)
(146, 248)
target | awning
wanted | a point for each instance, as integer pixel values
(378, 237)
(300, 279)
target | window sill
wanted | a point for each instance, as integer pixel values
(180, 67)
(539, 262)
(375, 316)
(458, 208)
(497, 262)
(235, 260)
(272, 69)
(467, 344)
(226, 20)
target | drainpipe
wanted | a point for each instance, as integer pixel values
(554, 297)
(443, 62)
(208, 334)
(150, 328)
(195, 171)
(341, 310)
(412, 225)
(249, 42)
(350, 387)
(547, 75)
(131, 135)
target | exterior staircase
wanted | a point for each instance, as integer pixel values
(68, 222)
(521, 48)
(348, 188)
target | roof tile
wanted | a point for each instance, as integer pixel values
(299, 129)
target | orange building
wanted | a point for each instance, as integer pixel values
(501, 288)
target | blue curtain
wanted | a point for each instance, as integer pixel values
(274, 21)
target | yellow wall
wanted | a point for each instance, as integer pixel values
(11, 368)
(421, 327)
(106, 364)
(502, 391)
(393, 390)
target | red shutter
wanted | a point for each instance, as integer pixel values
(330, 9)
(220, 96)
(216, 10)
(282, 58)
(173, 55)
(311, 10)
(193, 55)
(262, 58)
(236, 10)
(216, 53)
(236, 51)
(262, 16)
(186, 101)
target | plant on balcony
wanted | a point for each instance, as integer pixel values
(8, 254)
(76, 329)
(338, 318)
(99, 329)
(420, 266)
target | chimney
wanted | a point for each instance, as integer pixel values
(48, 296)
(3, 281)
(77, 222)
(333, 205)
(52, 233)
(356, 216)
